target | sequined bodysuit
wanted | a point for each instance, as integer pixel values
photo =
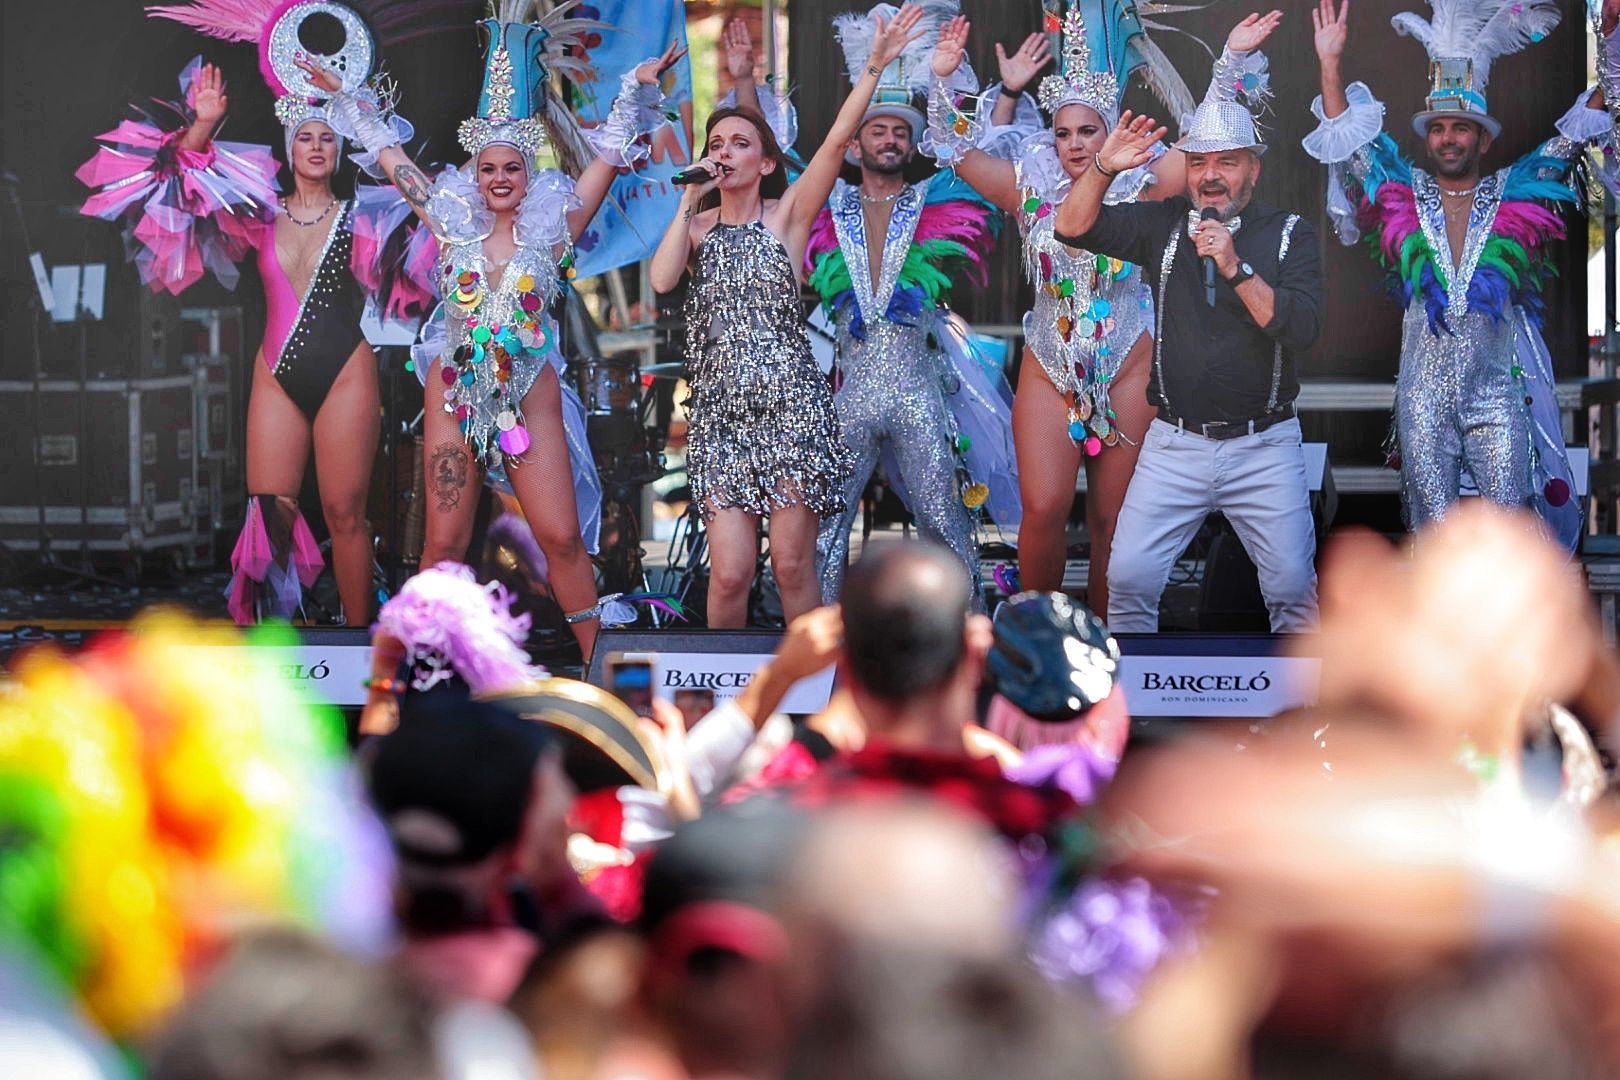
(1476, 386)
(1089, 309)
(893, 394)
(763, 433)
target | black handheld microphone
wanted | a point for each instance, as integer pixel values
(1208, 262)
(1210, 214)
(697, 174)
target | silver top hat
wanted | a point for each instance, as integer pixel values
(1218, 126)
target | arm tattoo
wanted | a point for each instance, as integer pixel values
(412, 184)
(686, 215)
(449, 469)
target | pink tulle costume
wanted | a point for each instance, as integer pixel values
(189, 212)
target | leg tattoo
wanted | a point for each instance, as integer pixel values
(449, 468)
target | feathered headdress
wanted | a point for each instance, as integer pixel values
(275, 26)
(902, 88)
(1462, 39)
(1101, 44)
(515, 106)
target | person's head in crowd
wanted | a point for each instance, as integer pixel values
(888, 1013)
(1052, 677)
(715, 976)
(476, 803)
(283, 1005)
(913, 653)
(909, 873)
(1460, 636)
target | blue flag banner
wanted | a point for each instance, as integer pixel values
(640, 204)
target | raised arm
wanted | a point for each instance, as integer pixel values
(208, 102)
(739, 46)
(1129, 145)
(597, 179)
(992, 177)
(1017, 72)
(1331, 29)
(359, 120)
(806, 195)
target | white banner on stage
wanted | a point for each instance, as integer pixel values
(727, 673)
(332, 674)
(1222, 686)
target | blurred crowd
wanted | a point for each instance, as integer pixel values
(963, 867)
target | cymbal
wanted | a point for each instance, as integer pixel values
(674, 370)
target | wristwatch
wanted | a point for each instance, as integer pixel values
(1244, 273)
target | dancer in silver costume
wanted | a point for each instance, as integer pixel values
(883, 256)
(1083, 399)
(1466, 255)
(763, 439)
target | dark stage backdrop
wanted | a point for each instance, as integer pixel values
(56, 99)
(1528, 92)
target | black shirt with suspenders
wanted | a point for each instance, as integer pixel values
(1215, 370)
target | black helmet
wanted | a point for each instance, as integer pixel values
(1052, 657)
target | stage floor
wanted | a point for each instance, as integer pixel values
(33, 596)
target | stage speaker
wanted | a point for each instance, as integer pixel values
(1229, 600)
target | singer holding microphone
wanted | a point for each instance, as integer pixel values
(1237, 289)
(763, 439)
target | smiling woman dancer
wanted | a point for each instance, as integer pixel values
(763, 440)
(490, 359)
(1084, 399)
(203, 205)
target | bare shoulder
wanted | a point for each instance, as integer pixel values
(701, 223)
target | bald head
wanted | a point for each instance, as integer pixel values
(905, 611)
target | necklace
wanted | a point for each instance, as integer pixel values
(287, 208)
(1460, 194)
(873, 200)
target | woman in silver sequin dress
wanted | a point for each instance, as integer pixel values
(763, 440)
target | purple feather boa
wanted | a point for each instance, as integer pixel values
(452, 625)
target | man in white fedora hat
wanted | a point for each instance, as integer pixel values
(1238, 293)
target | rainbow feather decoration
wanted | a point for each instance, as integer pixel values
(1513, 265)
(955, 231)
(158, 792)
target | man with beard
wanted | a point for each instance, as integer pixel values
(1238, 293)
(1466, 255)
(883, 257)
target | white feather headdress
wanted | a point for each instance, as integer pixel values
(1463, 38)
(911, 70)
(1479, 30)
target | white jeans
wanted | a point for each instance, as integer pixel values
(1257, 481)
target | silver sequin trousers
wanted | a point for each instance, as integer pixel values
(1457, 401)
(892, 398)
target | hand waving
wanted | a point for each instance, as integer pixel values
(1252, 32)
(208, 98)
(1020, 69)
(1330, 29)
(319, 74)
(891, 38)
(952, 46)
(739, 46)
(1130, 143)
(652, 71)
